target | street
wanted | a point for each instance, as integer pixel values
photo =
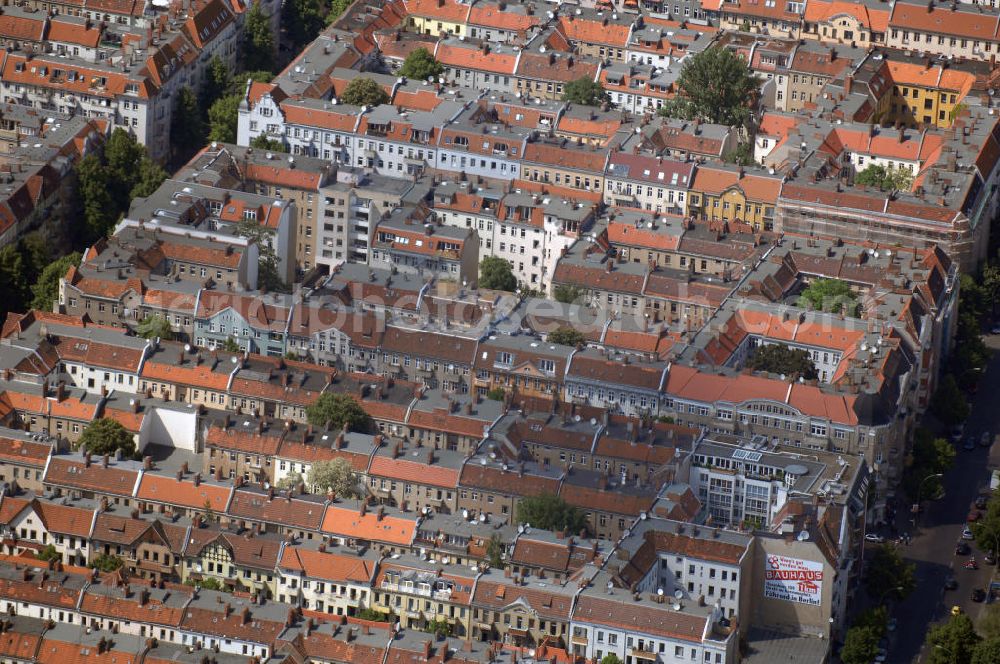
(932, 547)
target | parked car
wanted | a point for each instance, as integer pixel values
(967, 534)
(873, 537)
(995, 329)
(956, 610)
(986, 439)
(978, 595)
(957, 432)
(962, 549)
(974, 515)
(990, 558)
(970, 444)
(950, 583)
(980, 503)
(891, 625)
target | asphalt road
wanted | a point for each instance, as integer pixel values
(932, 545)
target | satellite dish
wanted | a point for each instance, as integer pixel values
(659, 592)
(234, 359)
(482, 518)
(593, 422)
(520, 530)
(465, 514)
(187, 348)
(803, 536)
(678, 594)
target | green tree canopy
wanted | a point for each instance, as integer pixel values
(714, 86)
(291, 480)
(610, 658)
(987, 652)
(45, 290)
(187, 126)
(223, 118)
(420, 65)
(153, 327)
(929, 457)
(566, 336)
(987, 529)
(829, 295)
(496, 551)
(567, 294)
(99, 209)
(364, 91)
(496, 394)
(337, 8)
(12, 281)
(860, 646)
(302, 20)
(230, 345)
(952, 642)
(780, 359)
(584, 91)
(106, 436)
(49, 553)
(550, 512)
(258, 40)
(949, 404)
(742, 154)
(267, 258)
(889, 178)
(106, 563)
(264, 142)
(337, 476)
(338, 410)
(496, 273)
(889, 576)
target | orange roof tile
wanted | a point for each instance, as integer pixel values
(348, 522)
(162, 489)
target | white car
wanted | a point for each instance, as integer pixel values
(967, 534)
(872, 537)
(891, 625)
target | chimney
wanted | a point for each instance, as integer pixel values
(143, 597)
(245, 616)
(147, 462)
(107, 459)
(197, 479)
(227, 610)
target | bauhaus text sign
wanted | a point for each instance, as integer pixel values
(793, 580)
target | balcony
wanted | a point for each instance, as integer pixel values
(643, 654)
(579, 640)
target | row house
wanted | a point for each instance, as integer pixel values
(957, 30)
(661, 42)
(148, 548)
(648, 182)
(502, 23)
(777, 18)
(836, 22)
(524, 610)
(544, 553)
(415, 477)
(544, 73)
(322, 578)
(637, 88)
(564, 164)
(256, 325)
(436, 359)
(478, 66)
(734, 196)
(493, 487)
(35, 524)
(602, 34)
(811, 67)
(236, 561)
(423, 596)
(496, 153)
(614, 383)
(522, 367)
(299, 515)
(23, 459)
(407, 241)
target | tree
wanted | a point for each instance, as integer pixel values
(267, 257)
(258, 41)
(230, 345)
(438, 627)
(337, 8)
(742, 154)
(496, 552)
(12, 279)
(218, 81)
(337, 476)
(889, 178)
(952, 642)
(363, 91)
(223, 118)
(832, 295)
(153, 327)
(420, 65)
(496, 394)
(122, 155)
(338, 410)
(268, 144)
(567, 294)
(585, 91)
(187, 127)
(987, 652)
(48, 553)
(302, 20)
(949, 404)
(991, 285)
(291, 480)
(372, 615)
(987, 529)
(99, 209)
(566, 336)
(714, 86)
(106, 436)
(889, 576)
(149, 176)
(610, 658)
(989, 621)
(106, 563)
(497, 274)
(876, 619)
(929, 456)
(860, 646)
(550, 512)
(780, 359)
